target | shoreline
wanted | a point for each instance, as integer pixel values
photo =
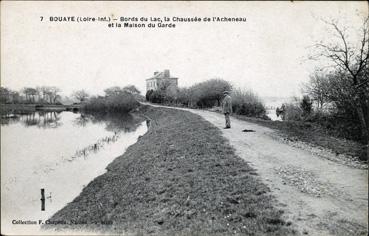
(25, 108)
(180, 178)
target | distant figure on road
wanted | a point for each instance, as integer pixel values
(227, 108)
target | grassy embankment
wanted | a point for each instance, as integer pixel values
(182, 177)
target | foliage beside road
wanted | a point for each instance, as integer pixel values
(181, 178)
(208, 94)
(314, 134)
(340, 88)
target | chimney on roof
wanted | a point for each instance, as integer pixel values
(166, 74)
(156, 72)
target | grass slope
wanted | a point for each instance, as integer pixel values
(181, 178)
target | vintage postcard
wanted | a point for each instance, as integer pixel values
(184, 118)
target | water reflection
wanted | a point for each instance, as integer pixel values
(115, 124)
(113, 121)
(39, 119)
(82, 120)
(52, 119)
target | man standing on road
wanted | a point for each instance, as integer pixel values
(227, 108)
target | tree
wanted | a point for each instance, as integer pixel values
(166, 92)
(54, 94)
(210, 92)
(30, 93)
(56, 98)
(131, 89)
(50, 93)
(15, 97)
(4, 95)
(184, 96)
(40, 94)
(80, 95)
(33, 93)
(317, 88)
(351, 61)
(112, 91)
(44, 92)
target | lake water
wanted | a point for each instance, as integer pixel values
(57, 152)
(271, 104)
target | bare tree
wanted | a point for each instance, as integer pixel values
(40, 94)
(44, 93)
(33, 93)
(317, 88)
(351, 60)
(80, 95)
(55, 94)
(30, 93)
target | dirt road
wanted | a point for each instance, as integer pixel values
(319, 196)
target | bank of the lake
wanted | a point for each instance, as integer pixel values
(182, 177)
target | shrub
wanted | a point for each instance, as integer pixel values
(245, 102)
(184, 96)
(306, 105)
(208, 93)
(291, 111)
(117, 102)
(155, 96)
(166, 93)
(149, 94)
(204, 95)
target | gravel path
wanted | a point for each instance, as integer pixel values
(320, 196)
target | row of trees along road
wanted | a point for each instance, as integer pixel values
(345, 82)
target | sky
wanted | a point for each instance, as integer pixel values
(267, 53)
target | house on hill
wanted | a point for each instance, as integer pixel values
(162, 79)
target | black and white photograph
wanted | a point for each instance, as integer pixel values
(184, 118)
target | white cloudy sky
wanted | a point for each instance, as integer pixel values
(267, 53)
